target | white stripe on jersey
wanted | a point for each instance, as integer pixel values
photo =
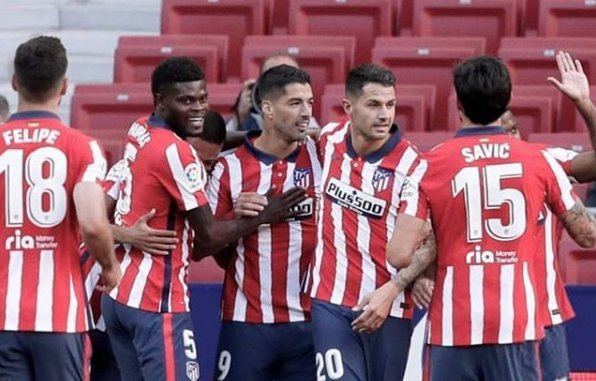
(562, 181)
(13, 290)
(405, 163)
(506, 303)
(185, 260)
(476, 304)
(177, 169)
(363, 236)
(45, 290)
(264, 249)
(551, 272)
(240, 302)
(414, 181)
(447, 319)
(95, 171)
(530, 303)
(212, 190)
(71, 320)
(136, 291)
(339, 241)
(126, 261)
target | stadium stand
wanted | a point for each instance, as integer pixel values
(234, 18)
(136, 56)
(364, 19)
(278, 16)
(491, 19)
(567, 18)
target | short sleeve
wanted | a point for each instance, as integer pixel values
(111, 183)
(90, 161)
(559, 193)
(218, 189)
(413, 200)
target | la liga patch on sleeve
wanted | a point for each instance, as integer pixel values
(195, 177)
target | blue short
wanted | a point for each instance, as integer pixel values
(103, 362)
(554, 358)
(499, 362)
(265, 352)
(345, 354)
(44, 355)
(150, 345)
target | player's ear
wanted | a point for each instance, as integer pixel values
(267, 109)
(14, 83)
(347, 105)
(63, 86)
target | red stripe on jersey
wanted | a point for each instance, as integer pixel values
(3, 288)
(87, 351)
(279, 269)
(170, 357)
(353, 247)
(29, 288)
(61, 290)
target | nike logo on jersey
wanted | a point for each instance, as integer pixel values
(354, 199)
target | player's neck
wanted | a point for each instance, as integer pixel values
(364, 146)
(275, 145)
(50, 105)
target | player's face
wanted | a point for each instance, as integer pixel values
(184, 107)
(208, 152)
(510, 124)
(372, 112)
(290, 113)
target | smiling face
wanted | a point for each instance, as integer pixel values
(371, 111)
(289, 114)
(183, 106)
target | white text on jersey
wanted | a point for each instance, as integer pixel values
(355, 199)
(34, 135)
(485, 151)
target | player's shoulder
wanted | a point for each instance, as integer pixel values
(334, 127)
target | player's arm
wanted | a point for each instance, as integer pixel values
(580, 224)
(211, 235)
(95, 228)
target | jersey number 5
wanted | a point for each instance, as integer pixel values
(483, 190)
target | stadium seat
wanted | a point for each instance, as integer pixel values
(404, 18)
(532, 59)
(427, 140)
(528, 20)
(427, 60)
(234, 18)
(222, 97)
(278, 16)
(137, 56)
(112, 141)
(363, 19)
(327, 59)
(412, 111)
(580, 267)
(574, 18)
(579, 124)
(205, 271)
(579, 142)
(491, 19)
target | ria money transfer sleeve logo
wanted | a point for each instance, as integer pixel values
(354, 199)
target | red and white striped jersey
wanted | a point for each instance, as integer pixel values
(553, 301)
(41, 161)
(265, 279)
(161, 172)
(359, 204)
(484, 192)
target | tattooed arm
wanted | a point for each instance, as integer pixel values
(423, 258)
(580, 224)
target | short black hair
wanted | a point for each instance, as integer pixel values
(39, 66)
(175, 70)
(272, 82)
(361, 75)
(214, 128)
(4, 107)
(483, 88)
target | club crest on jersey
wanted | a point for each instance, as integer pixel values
(380, 179)
(195, 177)
(192, 370)
(354, 199)
(302, 177)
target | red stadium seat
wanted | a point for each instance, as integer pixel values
(580, 267)
(222, 97)
(404, 18)
(412, 111)
(327, 59)
(137, 56)
(278, 16)
(579, 122)
(427, 140)
(363, 19)
(573, 18)
(234, 18)
(491, 19)
(427, 60)
(205, 271)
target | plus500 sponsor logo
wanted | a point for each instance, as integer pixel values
(354, 199)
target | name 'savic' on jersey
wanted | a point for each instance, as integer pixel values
(484, 192)
(161, 172)
(41, 161)
(266, 277)
(359, 204)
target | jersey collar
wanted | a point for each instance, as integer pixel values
(483, 130)
(33, 115)
(157, 122)
(377, 155)
(264, 156)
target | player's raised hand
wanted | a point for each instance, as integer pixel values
(375, 308)
(149, 240)
(249, 204)
(422, 291)
(109, 278)
(280, 207)
(574, 83)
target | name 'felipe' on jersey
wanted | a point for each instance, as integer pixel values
(41, 161)
(359, 203)
(162, 172)
(484, 192)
